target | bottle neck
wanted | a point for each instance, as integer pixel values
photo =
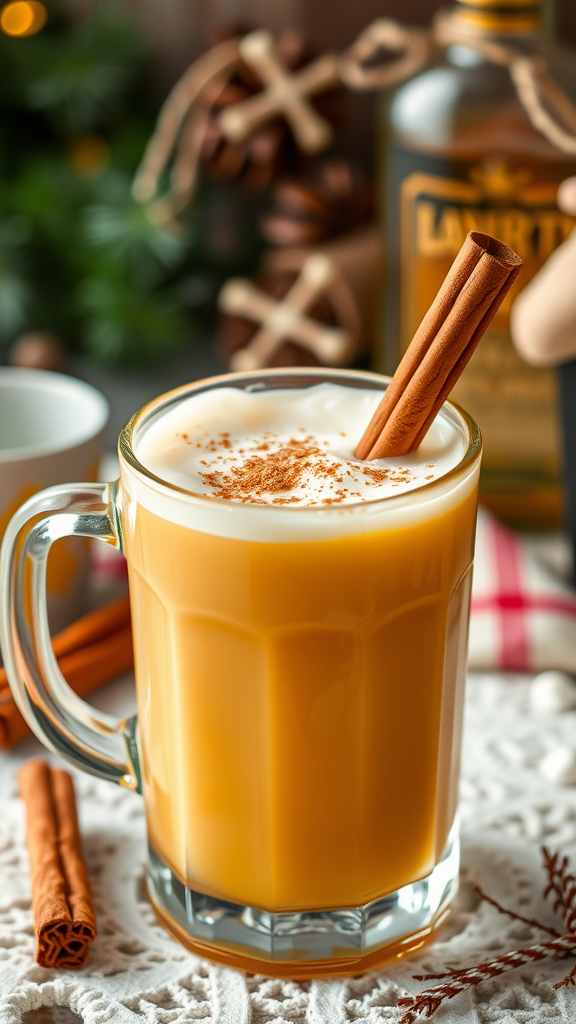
(499, 17)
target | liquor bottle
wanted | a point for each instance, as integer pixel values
(461, 154)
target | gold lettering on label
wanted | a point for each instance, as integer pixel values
(438, 237)
(567, 226)
(516, 229)
(479, 220)
(440, 230)
(549, 234)
(553, 229)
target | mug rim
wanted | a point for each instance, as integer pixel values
(52, 382)
(372, 380)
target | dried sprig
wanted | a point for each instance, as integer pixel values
(570, 979)
(562, 887)
(532, 922)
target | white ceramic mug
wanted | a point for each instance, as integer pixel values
(51, 430)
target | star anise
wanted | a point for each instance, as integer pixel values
(256, 161)
(236, 332)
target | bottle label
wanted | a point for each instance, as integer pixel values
(438, 203)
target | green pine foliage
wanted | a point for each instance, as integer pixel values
(78, 256)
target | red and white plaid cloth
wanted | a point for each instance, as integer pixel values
(523, 617)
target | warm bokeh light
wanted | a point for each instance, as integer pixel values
(89, 154)
(23, 18)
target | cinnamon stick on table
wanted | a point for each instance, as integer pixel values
(64, 918)
(91, 651)
(476, 284)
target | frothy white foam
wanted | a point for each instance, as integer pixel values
(276, 453)
(206, 444)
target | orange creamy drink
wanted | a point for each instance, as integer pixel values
(300, 621)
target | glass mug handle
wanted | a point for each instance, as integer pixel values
(92, 740)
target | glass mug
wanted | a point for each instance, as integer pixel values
(299, 675)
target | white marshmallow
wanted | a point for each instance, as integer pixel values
(552, 692)
(559, 766)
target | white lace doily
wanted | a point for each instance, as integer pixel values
(138, 975)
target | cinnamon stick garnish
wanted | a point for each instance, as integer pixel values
(92, 627)
(90, 652)
(475, 286)
(64, 919)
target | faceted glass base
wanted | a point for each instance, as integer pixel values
(305, 943)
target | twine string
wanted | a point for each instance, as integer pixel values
(561, 888)
(426, 1003)
(180, 130)
(181, 125)
(546, 104)
(414, 47)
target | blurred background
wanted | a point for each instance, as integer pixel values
(179, 29)
(97, 284)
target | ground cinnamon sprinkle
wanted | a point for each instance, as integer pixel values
(376, 476)
(268, 476)
(262, 474)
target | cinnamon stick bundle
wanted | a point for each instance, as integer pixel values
(476, 284)
(64, 918)
(91, 651)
